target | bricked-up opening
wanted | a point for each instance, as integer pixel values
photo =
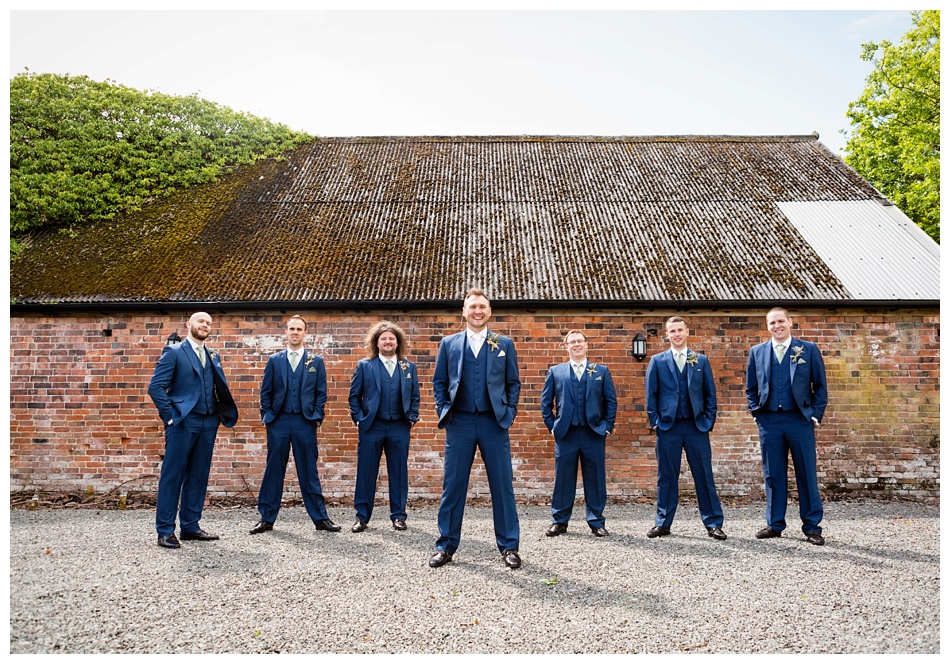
(107, 333)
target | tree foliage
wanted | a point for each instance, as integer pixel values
(895, 138)
(82, 150)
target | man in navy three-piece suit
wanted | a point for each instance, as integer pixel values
(192, 396)
(579, 405)
(787, 395)
(384, 404)
(293, 394)
(681, 405)
(476, 388)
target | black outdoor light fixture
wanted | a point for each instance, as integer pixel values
(173, 339)
(640, 347)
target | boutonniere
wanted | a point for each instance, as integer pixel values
(796, 357)
(591, 369)
(405, 367)
(214, 355)
(309, 362)
(492, 341)
(691, 358)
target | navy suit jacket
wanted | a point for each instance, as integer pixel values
(504, 381)
(274, 386)
(176, 385)
(364, 390)
(663, 392)
(600, 403)
(807, 369)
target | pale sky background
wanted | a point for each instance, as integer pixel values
(370, 73)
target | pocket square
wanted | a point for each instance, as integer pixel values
(599, 378)
(312, 370)
(501, 353)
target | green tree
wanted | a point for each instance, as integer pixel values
(894, 142)
(82, 150)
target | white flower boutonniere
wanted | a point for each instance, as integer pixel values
(591, 370)
(691, 358)
(492, 341)
(405, 367)
(796, 356)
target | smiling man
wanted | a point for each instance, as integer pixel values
(192, 397)
(579, 405)
(681, 405)
(476, 388)
(787, 395)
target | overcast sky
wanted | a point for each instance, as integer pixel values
(368, 73)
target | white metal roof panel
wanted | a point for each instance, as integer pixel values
(875, 250)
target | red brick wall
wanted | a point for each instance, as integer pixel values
(80, 415)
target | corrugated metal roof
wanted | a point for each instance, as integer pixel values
(421, 219)
(876, 251)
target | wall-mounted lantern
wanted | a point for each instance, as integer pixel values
(639, 347)
(173, 339)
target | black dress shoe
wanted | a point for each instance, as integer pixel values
(261, 527)
(716, 533)
(512, 559)
(399, 524)
(199, 535)
(169, 541)
(359, 526)
(815, 538)
(599, 532)
(328, 526)
(556, 529)
(439, 558)
(767, 532)
(656, 531)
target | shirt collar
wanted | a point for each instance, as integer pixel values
(787, 343)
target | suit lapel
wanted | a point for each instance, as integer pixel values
(460, 343)
(792, 365)
(375, 368)
(193, 356)
(282, 367)
(671, 363)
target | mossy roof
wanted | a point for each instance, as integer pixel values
(421, 219)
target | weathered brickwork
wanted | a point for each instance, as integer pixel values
(81, 417)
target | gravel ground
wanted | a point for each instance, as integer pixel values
(93, 581)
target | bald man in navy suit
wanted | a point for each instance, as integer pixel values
(193, 398)
(579, 405)
(787, 395)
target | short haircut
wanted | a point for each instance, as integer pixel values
(570, 332)
(675, 319)
(782, 309)
(296, 317)
(474, 292)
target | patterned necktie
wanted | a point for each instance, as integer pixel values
(780, 352)
(578, 370)
(390, 367)
(293, 360)
(201, 354)
(680, 360)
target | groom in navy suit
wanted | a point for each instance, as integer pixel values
(192, 396)
(293, 394)
(681, 405)
(787, 395)
(476, 388)
(384, 404)
(579, 405)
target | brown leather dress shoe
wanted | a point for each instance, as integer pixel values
(439, 558)
(767, 533)
(599, 532)
(656, 531)
(815, 538)
(716, 533)
(261, 527)
(556, 529)
(399, 524)
(328, 526)
(512, 559)
(169, 541)
(359, 526)
(199, 535)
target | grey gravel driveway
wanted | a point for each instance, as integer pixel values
(93, 581)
